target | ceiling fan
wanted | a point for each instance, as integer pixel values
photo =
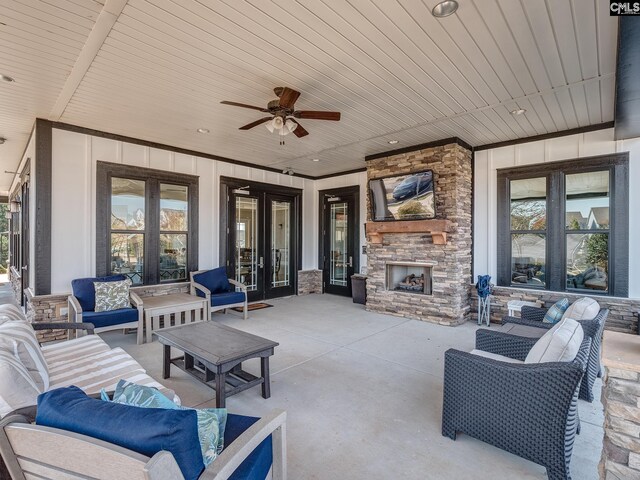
(281, 111)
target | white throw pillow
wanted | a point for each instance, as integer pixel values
(17, 388)
(20, 338)
(560, 344)
(584, 308)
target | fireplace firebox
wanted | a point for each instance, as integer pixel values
(409, 277)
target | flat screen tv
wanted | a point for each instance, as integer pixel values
(403, 197)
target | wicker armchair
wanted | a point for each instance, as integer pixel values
(532, 317)
(529, 410)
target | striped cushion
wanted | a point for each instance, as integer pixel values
(101, 370)
(17, 387)
(555, 313)
(68, 350)
(26, 349)
(10, 312)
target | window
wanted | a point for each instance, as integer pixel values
(146, 224)
(563, 226)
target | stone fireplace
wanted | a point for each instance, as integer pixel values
(414, 278)
(432, 258)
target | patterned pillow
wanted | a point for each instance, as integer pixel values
(112, 295)
(554, 314)
(211, 421)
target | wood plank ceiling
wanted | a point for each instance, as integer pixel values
(390, 67)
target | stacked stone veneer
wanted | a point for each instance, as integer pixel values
(622, 317)
(47, 308)
(309, 281)
(621, 400)
(449, 303)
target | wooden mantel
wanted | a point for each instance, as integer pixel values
(437, 228)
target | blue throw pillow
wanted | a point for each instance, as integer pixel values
(143, 430)
(211, 421)
(215, 280)
(555, 313)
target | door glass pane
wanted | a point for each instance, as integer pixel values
(587, 205)
(338, 244)
(528, 259)
(173, 208)
(127, 204)
(280, 236)
(588, 261)
(127, 254)
(173, 257)
(529, 204)
(247, 242)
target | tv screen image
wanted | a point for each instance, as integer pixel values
(403, 197)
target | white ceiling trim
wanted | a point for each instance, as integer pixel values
(101, 30)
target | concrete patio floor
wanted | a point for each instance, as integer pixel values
(363, 395)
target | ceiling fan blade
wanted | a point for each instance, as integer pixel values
(316, 115)
(244, 105)
(288, 97)
(256, 123)
(299, 131)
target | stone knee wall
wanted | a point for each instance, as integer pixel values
(309, 281)
(623, 316)
(53, 308)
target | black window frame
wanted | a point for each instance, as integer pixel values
(555, 265)
(105, 171)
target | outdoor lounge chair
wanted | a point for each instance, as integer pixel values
(220, 291)
(32, 451)
(82, 307)
(532, 317)
(528, 409)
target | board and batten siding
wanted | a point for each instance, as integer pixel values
(73, 223)
(487, 162)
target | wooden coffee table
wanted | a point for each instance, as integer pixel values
(213, 354)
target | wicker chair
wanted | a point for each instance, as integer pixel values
(532, 317)
(529, 410)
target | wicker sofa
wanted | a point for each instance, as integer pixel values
(532, 317)
(529, 410)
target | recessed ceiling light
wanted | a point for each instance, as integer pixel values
(393, 142)
(203, 130)
(444, 9)
(517, 111)
(315, 159)
(6, 78)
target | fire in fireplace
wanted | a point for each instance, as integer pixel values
(409, 277)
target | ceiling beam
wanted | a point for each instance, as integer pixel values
(101, 29)
(627, 115)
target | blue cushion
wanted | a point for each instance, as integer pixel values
(84, 291)
(257, 465)
(215, 280)
(143, 430)
(227, 298)
(111, 317)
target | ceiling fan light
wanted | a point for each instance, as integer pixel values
(290, 125)
(269, 126)
(277, 122)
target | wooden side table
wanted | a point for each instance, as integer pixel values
(185, 308)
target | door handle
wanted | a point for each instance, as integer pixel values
(350, 264)
(261, 263)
